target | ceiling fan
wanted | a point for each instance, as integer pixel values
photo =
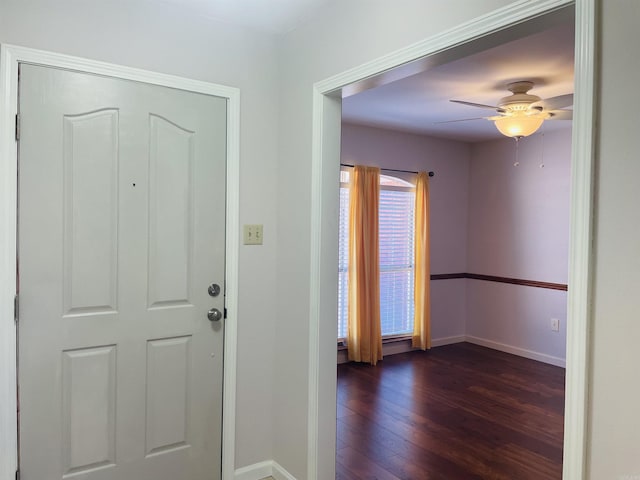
(521, 114)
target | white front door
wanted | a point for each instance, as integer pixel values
(121, 225)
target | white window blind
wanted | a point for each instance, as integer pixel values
(396, 233)
(396, 245)
(343, 259)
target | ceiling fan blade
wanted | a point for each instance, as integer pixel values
(561, 115)
(471, 104)
(461, 120)
(553, 103)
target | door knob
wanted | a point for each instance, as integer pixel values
(214, 290)
(214, 315)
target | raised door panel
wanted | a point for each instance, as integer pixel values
(168, 375)
(88, 409)
(171, 150)
(90, 144)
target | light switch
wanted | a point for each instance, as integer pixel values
(252, 235)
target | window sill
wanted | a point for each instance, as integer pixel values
(391, 345)
(387, 339)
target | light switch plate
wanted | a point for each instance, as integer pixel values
(252, 234)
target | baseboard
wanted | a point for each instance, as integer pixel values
(257, 471)
(541, 357)
(280, 473)
(261, 470)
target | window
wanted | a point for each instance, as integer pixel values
(396, 234)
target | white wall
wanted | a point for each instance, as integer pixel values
(341, 36)
(615, 355)
(159, 37)
(448, 207)
(519, 228)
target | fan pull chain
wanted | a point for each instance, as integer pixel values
(517, 162)
(542, 153)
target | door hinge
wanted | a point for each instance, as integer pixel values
(225, 312)
(17, 127)
(17, 474)
(16, 308)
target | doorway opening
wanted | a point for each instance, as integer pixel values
(494, 219)
(327, 106)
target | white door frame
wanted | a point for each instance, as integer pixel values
(324, 195)
(10, 57)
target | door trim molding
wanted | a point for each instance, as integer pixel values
(10, 57)
(322, 301)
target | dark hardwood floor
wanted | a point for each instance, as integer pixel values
(455, 412)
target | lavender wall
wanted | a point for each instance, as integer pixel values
(519, 227)
(493, 218)
(448, 194)
(519, 216)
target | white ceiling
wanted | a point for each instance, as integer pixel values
(274, 16)
(416, 102)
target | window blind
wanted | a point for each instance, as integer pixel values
(343, 261)
(396, 237)
(396, 234)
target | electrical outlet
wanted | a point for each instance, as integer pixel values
(555, 324)
(252, 234)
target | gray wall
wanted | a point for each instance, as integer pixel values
(614, 426)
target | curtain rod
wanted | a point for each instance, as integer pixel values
(431, 174)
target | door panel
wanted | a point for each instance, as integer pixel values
(121, 230)
(167, 394)
(170, 213)
(88, 405)
(90, 197)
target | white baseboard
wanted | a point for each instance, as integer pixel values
(257, 471)
(401, 347)
(280, 473)
(541, 357)
(261, 470)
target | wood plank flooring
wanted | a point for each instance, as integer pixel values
(455, 412)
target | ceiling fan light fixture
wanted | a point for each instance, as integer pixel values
(518, 126)
(521, 114)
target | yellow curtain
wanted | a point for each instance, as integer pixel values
(364, 340)
(422, 297)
